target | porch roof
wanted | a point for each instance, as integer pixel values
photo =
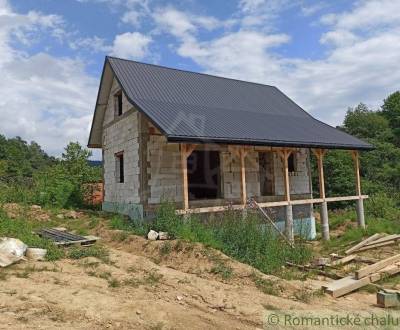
(192, 107)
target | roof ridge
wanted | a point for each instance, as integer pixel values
(193, 72)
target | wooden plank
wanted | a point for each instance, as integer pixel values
(363, 272)
(345, 285)
(89, 240)
(345, 198)
(264, 204)
(385, 239)
(348, 284)
(344, 260)
(375, 246)
(364, 242)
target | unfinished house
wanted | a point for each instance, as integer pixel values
(209, 144)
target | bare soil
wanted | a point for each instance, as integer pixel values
(155, 285)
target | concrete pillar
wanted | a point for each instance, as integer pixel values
(360, 213)
(325, 221)
(289, 223)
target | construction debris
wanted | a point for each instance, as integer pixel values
(373, 242)
(152, 235)
(315, 270)
(66, 238)
(363, 272)
(321, 261)
(388, 298)
(36, 254)
(11, 251)
(364, 276)
(163, 235)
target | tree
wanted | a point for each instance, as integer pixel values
(367, 124)
(391, 111)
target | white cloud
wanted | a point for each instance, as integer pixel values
(43, 98)
(360, 65)
(131, 45)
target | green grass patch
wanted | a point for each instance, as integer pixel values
(248, 239)
(96, 251)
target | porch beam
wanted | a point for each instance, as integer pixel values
(221, 208)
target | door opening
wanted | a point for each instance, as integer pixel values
(266, 165)
(204, 178)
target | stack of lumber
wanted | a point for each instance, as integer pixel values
(373, 242)
(364, 276)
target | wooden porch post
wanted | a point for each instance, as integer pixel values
(360, 203)
(320, 153)
(242, 154)
(289, 208)
(186, 150)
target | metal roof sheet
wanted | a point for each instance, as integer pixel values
(189, 106)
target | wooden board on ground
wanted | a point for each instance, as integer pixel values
(364, 242)
(384, 239)
(374, 246)
(89, 240)
(350, 283)
(344, 260)
(377, 266)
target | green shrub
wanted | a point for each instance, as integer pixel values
(381, 205)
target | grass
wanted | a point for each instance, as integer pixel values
(248, 239)
(352, 234)
(96, 251)
(152, 278)
(266, 286)
(165, 248)
(222, 269)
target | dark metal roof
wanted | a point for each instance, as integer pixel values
(189, 106)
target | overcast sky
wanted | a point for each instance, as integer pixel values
(325, 55)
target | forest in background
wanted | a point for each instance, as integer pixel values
(28, 174)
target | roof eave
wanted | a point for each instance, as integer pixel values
(271, 143)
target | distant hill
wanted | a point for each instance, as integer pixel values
(95, 163)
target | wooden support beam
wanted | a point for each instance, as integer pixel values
(356, 159)
(242, 153)
(186, 150)
(284, 154)
(360, 204)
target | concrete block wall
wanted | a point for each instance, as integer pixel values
(121, 134)
(109, 116)
(299, 180)
(231, 176)
(164, 169)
